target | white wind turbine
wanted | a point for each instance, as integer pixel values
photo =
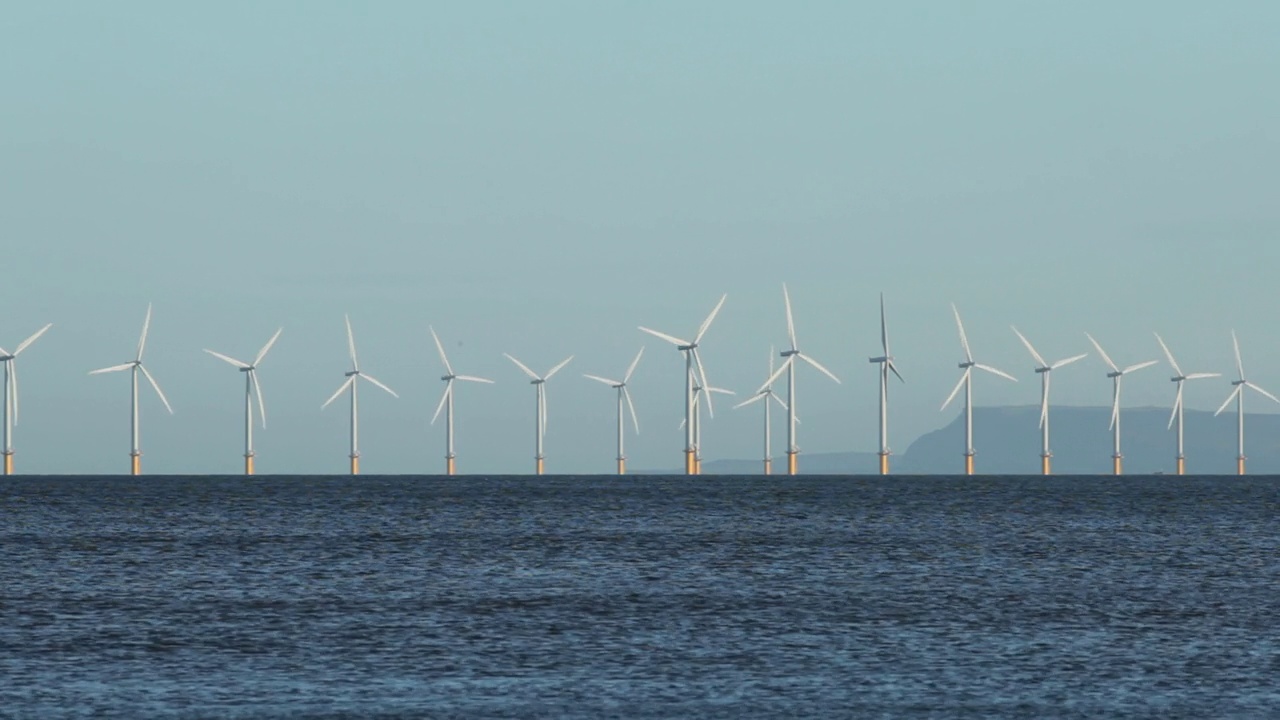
(698, 392)
(624, 395)
(1116, 375)
(1238, 395)
(789, 367)
(251, 388)
(1179, 378)
(350, 384)
(446, 400)
(691, 359)
(766, 394)
(886, 366)
(11, 393)
(966, 381)
(540, 417)
(1044, 369)
(135, 366)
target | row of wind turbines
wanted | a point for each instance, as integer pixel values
(697, 392)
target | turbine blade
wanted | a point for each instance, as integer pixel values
(1235, 391)
(13, 388)
(702, 329)
(227, 359)
(267, 348)
(1168, 355)
(635, 421)
(1177, 403)
(963, 377)
(1201, 376)
(156, 385)
(1044, 400)
(542, 388)
(351, 343)
(1264, 392)
(964, 340)
(257, 390)
(142, 339)
(375, 381)
(448, 388)
(473, 378)
(1102, 353)
(1068, 361)
(606, 381)
(345, 384)
(884, 330)
(819, 366)
(894, 368)
(780, 401)
(113, 368)
(632, 367)
(1030, 349)
(440, 348)
(35, 336)
(1139, 366)
(1115, 405)
(669, 338)
(556, 369)
(776, 374)
(1235, 344)
(791, 325)
(523, 367)
(754, 398)
(995, 371)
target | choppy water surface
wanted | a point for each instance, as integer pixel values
(708, 597)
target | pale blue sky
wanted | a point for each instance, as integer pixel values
(541, 178)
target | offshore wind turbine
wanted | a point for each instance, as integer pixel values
(886, 366)
(691, 360)
(698, 392)
(251, 388)
(1180, 378)
(1238, 395)
(789, 366)
(1043, 369)
(766, 394)
(540, 417)
(11, 393)
(624, 395)
(966, 381)
(135, 366)
(350, 384)
(446, 401)
(1116, 375)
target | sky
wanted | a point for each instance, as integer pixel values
(542, 178)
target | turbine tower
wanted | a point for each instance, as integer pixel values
(446, 401)
(1116, 375)
(691, 360)
(1238, 395)
(766, 394)
(886, 366)
(624, 395)
(1044, 369)
(1179, 378)
(251, 388)
(135, 366)
(966, 381)
(540, 417)
(789, 366)
(350, 383)
(698, 393)
(11, 394)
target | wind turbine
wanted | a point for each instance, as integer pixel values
(623, 396)
(1179, 378)
(1238, 395)
(135, 366)
(251, 388)
(1044, 369)
(350, 383)
(1116, 376)
(886, 366)
(966, 381)
(11, 394)
(540, 418)
(766, 394)
(698, 392)
(446, 400)
(789, 366)
(691, 359)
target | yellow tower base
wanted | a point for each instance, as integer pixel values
(622, 466)
(448, 465)
(537, 468)
(135, 463)
(1044, 465)
(1240, 465)
(355, 464)
(248, 464)
(792, 461)
(697, 464)
(689, 466)
(884, 463)
(8, 463)
(968, 464)
(768, 466)
(1182, 466)
(1117, 465)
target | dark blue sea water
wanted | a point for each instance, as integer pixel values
(641, 597)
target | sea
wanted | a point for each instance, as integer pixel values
(640, 597)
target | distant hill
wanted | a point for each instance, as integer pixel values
(1007, 441)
